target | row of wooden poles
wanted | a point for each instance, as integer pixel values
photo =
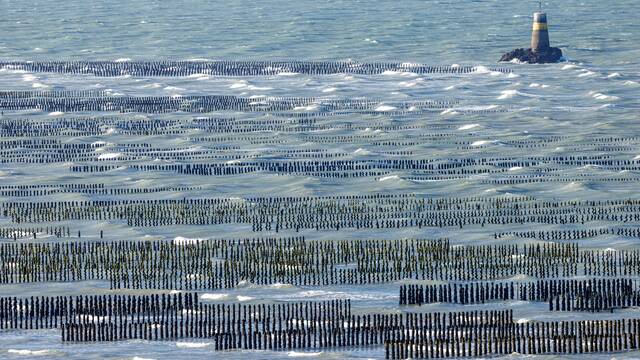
(595, 294)
(539, 338)
(224, 263)
(312, 325)
(232, 68)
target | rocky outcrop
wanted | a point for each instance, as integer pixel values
(551, 55)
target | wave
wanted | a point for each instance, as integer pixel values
(362, 151)
(586, 73)
(382, 108)
(170, 88)
(449, 112)
(109, 156)
(390, 177)
(468, 126)
(601, 96)
(280, 286)
(537, 85)
(483, 70)
(215, 297)
(484, 142)
(198, 75)
(303, 354)
(29, 77)
(508, 94)
(151, 86)
(398, 73)
(29, 352)
(192, 345)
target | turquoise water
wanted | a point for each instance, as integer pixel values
(582, 103)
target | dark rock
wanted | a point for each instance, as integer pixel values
(551, 55)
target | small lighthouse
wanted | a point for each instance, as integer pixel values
(540, 33)
(541, 51)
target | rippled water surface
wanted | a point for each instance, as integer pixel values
(585, 106)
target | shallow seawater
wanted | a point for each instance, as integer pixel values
(586, 106)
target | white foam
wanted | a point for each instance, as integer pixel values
(362, 151)
(390, 177)
(198, 75)
(468, 126)
(56, 113)
(303, 354)
(523, 321)
(39, 85)
(280, 286)
(569, 66)
(398, 73)
(586, 73)
(614, 75)
(507, 94)
(120, 60)
(385, 108)
(253, 87)
(192, 345)
(107, 156)
(29, 352)
(482, 70)
(244, 298)
(173, 88)
(287, 73)
(481, 142)
(601, 96)
(512, 75)
(141, 358)
(306, 108)
(449, 112)
(631, 83)
(29, 77)
(515, 168)
(329, 90)
(152, 86)
(411, 83)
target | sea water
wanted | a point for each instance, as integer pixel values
(593, 93)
